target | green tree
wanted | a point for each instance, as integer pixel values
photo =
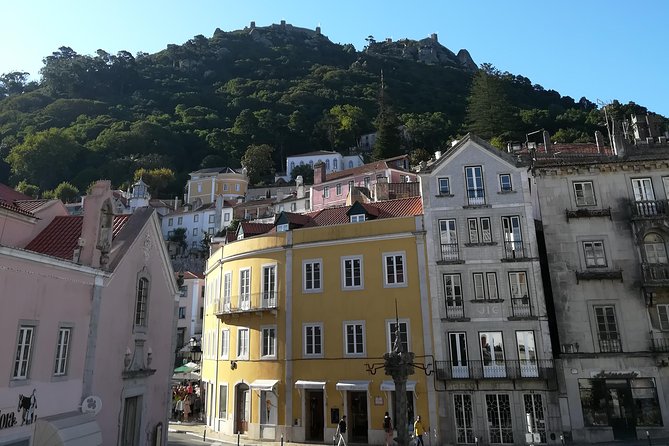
(388, 141)
(259, 164)
(45, 158)
(306, 171)
(343, 124)
(66, 192)
(29, 189)
(418, 155)
(179, 238)
(427, 130)
(489, 112)
(156, 179)
(13, 83)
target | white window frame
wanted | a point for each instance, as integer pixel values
(501, 182)
(243, 341)
(491, 285)
(194, 232)
(244, 297)
(212, 218)
(24, 349)
(444, 186)
(223, 402)
(480, 287)
(284, 227)
(485, 233)
(62, 350)
(355, 353)
(305, 276)
(450, 291)
(170, 221)
(226, 217)
(473, 231)
(517, 288)
(310, 339)
(344, 277)
(269, 291)
(357, 218)
(404, 323)
(594, 254)
(581, 195)
(268, 342)
(225, 344)
(394, 275)
(227, 290)
(338, 189)
(326, 191)
(196, 218)
(180, 220)
(182, 312)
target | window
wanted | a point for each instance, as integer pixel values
(474, 185)
(237, 188)
(334, 164)
(394, 269)
(491, 279)
(62, 350)
(448, 236)
(268, 348)
(338, 188)
(643, 189)
(479, 286)
(183, 290)
(453, 296)
(327, 165)
(594, 254)
(226, 217)
(527, 354)
(486, 233)
(225, 187)
(354, 334)
(352, 272)
(180, 220)
(663, 316)
(607, 329)
(311, 276)
(242, 343)
(269, 286)
(307, 204)
(458, 346)
(357, 218)
(498, 411)
(313, 339)
(518, 285)
(535, 420)
(210, 231)
(655, 249)
(513, 240)
(492, 354)
(292, 166)
(227, 290)
(245, 289)
(472, 225)
(351, 185)
(464, 416)
(170, 221)
(223, 401)
(350, 164)
(293, 207)
(141, 302)
(182, 312)
(584, 193)
(366, 182)
(23, 352)
(444, 186)
(212, 218)
(194, 231)
(199, 187)
(196, 218)
(326, 192)
(505, 182)
(225, 344)
(391, 335)
(284, 227)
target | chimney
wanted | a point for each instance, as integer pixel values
(547, 140)
(96, 230)
(299, 182)
(599, 139)
(381, 191)
(319, 172)
(437, 155)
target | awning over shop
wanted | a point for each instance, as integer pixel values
(300, 384)
(67, 429)
(264, 384)
(361, 386)
(389, 386)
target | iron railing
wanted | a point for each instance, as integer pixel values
(455, 308)
(610, 343)
(500, 369)
(251, 302)
(476, 197)
(659, 344)
(450, 252)
(521, 306)
(655, 273)
(650, 209)
(514, 250)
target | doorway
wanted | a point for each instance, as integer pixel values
(242, 408)
(357, 414)
(621, 409)
(314, 415)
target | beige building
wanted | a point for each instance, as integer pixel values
(205, 184)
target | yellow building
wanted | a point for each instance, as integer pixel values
(293, 318)
(205, 184)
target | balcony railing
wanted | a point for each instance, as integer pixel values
(650, 209)
(659, 344)
(476, 197)
(610, 343)
(521, 306)
(500, 369)
(450, 252)
(655, 273)
(455, 309)
(514, 250)
(248, 303)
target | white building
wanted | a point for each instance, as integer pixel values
(334, 161)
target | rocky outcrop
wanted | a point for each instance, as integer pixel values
(428, 51)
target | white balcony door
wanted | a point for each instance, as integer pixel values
(269, 286)
(459, 365)
(527, 354)
(245, 289)
(643, 189)
(492, 354)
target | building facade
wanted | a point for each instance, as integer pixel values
(205, 184)
(289, 337)
(190, 312)
(333, 161)
(605, 221)
(494, 368)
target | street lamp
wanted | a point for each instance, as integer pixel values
(195, 350)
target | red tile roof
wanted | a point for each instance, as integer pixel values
(13, 208)
(190, 275)
(31, 205)
(383, 209)
(371, 167)
(251, 229)
(10, 195)
(61, 236)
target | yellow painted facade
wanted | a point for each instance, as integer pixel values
(333, 314)
(207, 187)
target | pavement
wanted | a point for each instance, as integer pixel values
(205, 433)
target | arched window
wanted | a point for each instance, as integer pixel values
(142, 301)
(334, 164)
(350, 164)
(656, 251)
(292, 166)
(327, 165)
(311, 163)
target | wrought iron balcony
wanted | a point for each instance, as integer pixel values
(610, 343)
(648, 209)
(521, 306)
(500, 369)
(476, 197)
(450, 252)
(248, 303)
(659, 343)
(514, 250)
(455, 309)
(655, 274)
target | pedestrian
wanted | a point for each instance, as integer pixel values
(388, 429)
(341, 430)
(418, 431)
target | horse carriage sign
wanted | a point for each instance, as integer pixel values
(24, 414)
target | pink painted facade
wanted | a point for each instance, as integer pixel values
(99, 327)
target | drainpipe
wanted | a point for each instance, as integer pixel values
(89, 360)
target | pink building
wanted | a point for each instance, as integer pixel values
(377, 181)
(88, 322)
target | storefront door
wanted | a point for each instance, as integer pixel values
(314, 412)
(357, 417)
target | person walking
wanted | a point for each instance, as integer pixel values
(388, 429)
(418, 431)
(341, 430)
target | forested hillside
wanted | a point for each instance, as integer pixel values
(203, 103)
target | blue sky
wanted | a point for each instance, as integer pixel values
(600, 49)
